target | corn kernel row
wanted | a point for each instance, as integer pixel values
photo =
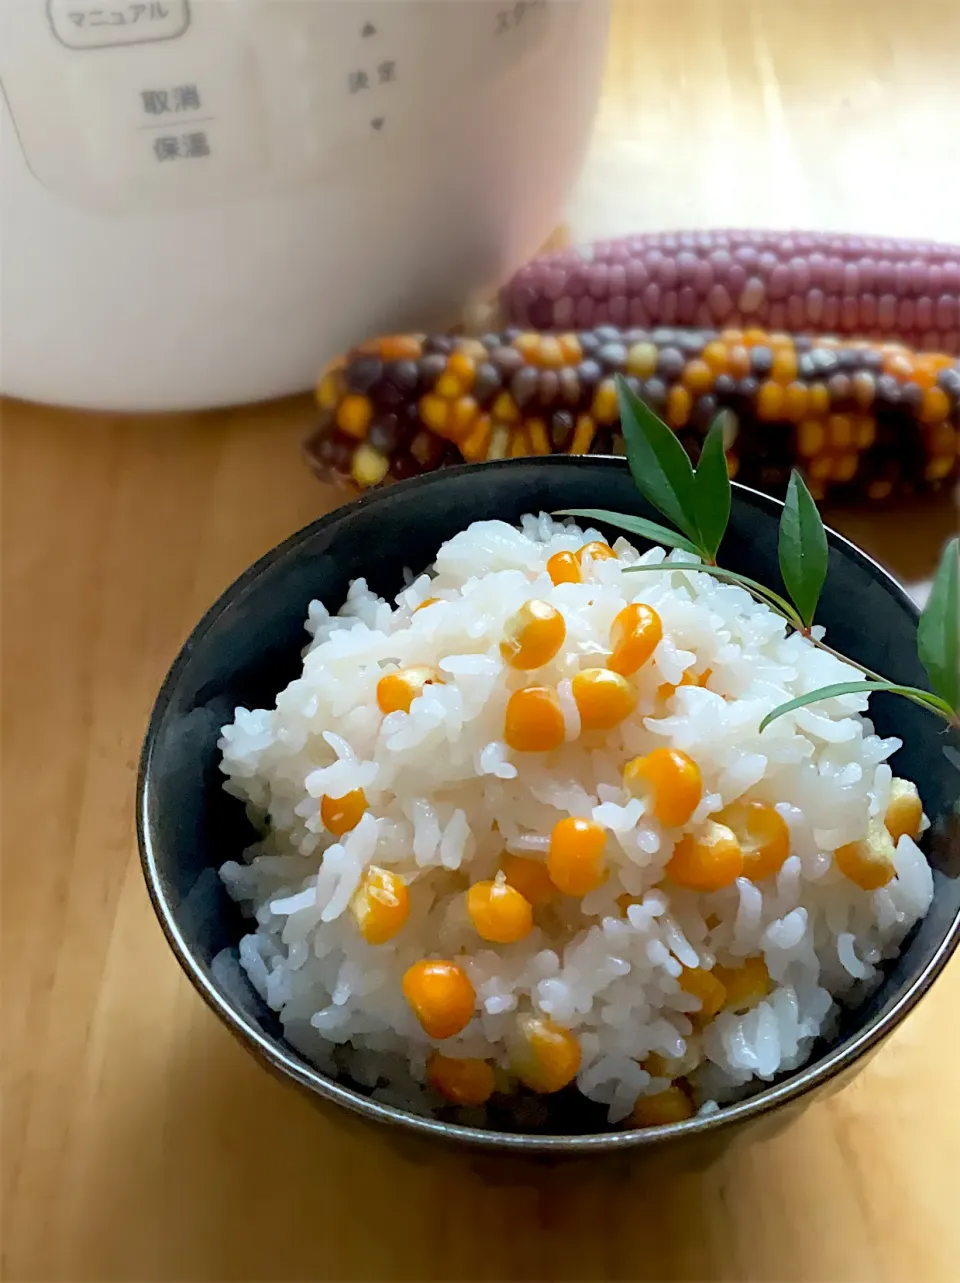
(861, 419)
(800, 281)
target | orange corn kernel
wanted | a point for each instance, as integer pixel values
(596, 551)
(605, 407)
(530, 877)
(784, 365)
(544, 1055)
(475, 447)
(763, 836)
(603, 698)
(571, 348)
(564, 568)
(400, 347)
(667, 689)
(341, 814)
(498, 911)
(671, 779)
(796, 399)
(738, 361)
(354, 414)
(703, 984)
(770, 401)
(679, 406)
(397, 691)
(697, 377)
(441, 996)
(745, 984)
(533, 635)
(583, 435)
(380, 905)
(575, 861)
(634, 635)
(427, 601)
(904, 810)
(708, 860)
(461, 1081)
(935, 406)
(715, 355)
(868, 862)
(534, 720)
(670, 1106)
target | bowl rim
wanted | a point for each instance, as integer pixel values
(286, 1061)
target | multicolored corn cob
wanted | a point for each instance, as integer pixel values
(804, 282)
(864, 420)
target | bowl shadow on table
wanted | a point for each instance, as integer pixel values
(249, 1180)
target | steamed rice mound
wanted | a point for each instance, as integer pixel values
(619, 970)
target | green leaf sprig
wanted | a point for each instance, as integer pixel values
(697, 503)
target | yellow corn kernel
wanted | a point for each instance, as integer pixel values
(704, 985)
(498, 911)
(672, 781)
(341, 814)
(596, 551)
(544, 1055)
(904, 810)
(533, 722)
(706, 861)
(564, 568)
(745, 984)
(397, 691)
(634, 635)
(575, 861)
(533, 635)
(670, 1106)
(504, 409)
(530, 877)
(330, 389)
(369, 466)
(763, 836)
(427, 601)
(461, 1081)
(642, 360)
(603, 698)
(380, 905)
(868, 862)
(441, 996)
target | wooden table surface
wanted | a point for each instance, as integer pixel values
(140, 1142)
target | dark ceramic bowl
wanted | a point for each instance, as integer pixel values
(247, 648)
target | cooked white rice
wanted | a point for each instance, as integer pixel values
(440, 778)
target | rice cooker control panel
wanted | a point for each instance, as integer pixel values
(135, 105)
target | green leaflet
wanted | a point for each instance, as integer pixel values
(938, 633)
(913, 693)
(711, 489)
(651, 530)
(802, 549)
(766, 594)
(658, 462)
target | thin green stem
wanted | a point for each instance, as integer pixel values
(760, 591)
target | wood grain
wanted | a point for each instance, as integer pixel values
(139, 1141)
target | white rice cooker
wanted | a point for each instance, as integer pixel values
(201, 200)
